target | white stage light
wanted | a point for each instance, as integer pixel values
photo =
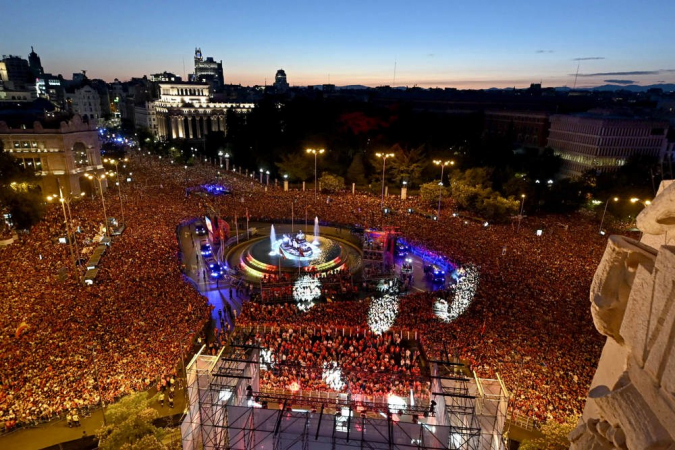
(462, 295)
(305, 290)
(382, 313)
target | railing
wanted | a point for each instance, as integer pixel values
(523, 421)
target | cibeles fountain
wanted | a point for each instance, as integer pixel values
(631, 403)
(289, 249)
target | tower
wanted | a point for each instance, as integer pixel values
(198, 55)
(35, 63)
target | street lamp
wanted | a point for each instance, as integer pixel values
(261, 174)
(438, 162)
(119, 188)
(384, 157)
(315, 152)
(227, 161)
(616, 199)
(267, 173)
(105, 214)
(520, 216)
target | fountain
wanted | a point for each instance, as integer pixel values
(316, 231)
(273, 237)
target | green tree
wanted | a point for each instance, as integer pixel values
(554, 436)
(331, 183)
(298, 166)
(406, 165)
(429, 192)
(130, 425)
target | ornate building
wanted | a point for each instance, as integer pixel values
(631, 403)
(64, 151)
(185, 111)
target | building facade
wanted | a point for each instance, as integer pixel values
(15, 72)
(185, 111)
(529, 129)
(207, 70)
(603, 142)
(88, 102)
(61, 155)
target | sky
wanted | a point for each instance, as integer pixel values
(448, 43)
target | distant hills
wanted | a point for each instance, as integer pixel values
(666, 87)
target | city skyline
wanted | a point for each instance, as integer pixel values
(443, 44)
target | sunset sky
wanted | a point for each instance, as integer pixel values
(469, 44)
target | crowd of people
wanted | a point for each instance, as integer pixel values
(370, 364)
(84, 345)
(529, 320)
(66, 346)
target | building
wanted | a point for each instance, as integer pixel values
(185, 111)
(603, 140)
(65, 151)
(528, 129)
(35, 64)
(280, 82)
(15, 72)
(164, 77)
(50, 87)
(89, 102)
(208, 71)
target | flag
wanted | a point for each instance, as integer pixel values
(281, 252)
(247, 217)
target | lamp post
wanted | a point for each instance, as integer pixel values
(261, 174)
(220, 158)
(520, 216)
(285, 182)
(616, 199)
(438, 162)
(267, 178)
(227, 161)
(67, 224)
(119, 184)
(384, 157)
(105, 214)
(315, 152)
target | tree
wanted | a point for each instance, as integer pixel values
(356, 173)
(298, 166)
(331, 183)
(19, 192)
(429, 192)
(554, 436)
(406, 165)
(130, 425)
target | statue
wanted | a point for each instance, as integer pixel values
(631, 403)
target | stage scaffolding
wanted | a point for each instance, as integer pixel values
(227, 409)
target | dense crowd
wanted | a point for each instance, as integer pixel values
(370, 364)
(529, 321)
(66, 346)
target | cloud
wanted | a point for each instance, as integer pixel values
(620, 81)
(611, 74)
(431, 55)
(544, 51)
(589, 58)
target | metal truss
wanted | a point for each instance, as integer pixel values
(228, 411)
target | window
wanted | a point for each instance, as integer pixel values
(657, 131)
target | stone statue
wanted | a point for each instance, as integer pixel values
(631, 403)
